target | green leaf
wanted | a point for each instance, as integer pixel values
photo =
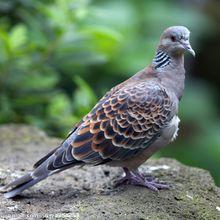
(59, 106)
(102, 39)
(18, 36)
(84, 97)
(45, 78)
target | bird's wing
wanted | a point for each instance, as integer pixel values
(39, 162)
(123, 123)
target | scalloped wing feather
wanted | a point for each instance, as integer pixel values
(123, 123)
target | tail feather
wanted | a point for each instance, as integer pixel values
(20, 184)
(56, 161)
(39, 162)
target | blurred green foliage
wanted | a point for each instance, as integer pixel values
(58, 57)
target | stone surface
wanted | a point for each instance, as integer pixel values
(89, 192)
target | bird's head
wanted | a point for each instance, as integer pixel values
(175, 40)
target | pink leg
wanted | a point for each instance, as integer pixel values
(137, 179)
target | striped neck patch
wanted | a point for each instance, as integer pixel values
(161, 60)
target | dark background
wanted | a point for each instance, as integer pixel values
(57, 58)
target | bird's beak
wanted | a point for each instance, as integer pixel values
(188, 47)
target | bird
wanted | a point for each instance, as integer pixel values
(128, 124)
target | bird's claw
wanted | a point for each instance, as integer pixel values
(134, 178)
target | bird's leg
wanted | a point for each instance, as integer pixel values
(137, 179)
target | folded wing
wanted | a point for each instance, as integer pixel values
(122, 124)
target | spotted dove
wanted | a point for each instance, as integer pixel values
(131, 122)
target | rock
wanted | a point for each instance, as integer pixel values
(89, 192)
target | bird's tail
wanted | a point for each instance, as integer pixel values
(54, 162)
(16, 187)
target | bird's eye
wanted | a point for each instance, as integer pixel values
(173, 38)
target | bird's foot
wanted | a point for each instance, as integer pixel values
(135, 178)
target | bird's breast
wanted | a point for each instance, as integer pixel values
(169, 133)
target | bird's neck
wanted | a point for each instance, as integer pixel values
(164, 60)
(161, 60)
(169, 69)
